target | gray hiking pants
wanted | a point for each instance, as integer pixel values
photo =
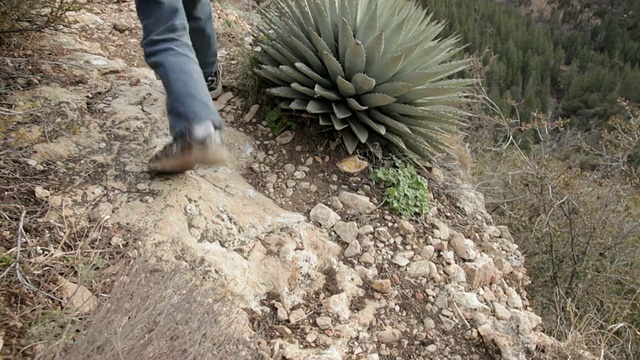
(179, 43)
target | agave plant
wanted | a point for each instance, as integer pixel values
(372, 69)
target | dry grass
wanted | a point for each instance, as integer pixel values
(154, 314)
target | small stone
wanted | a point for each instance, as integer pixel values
(347, 232)
(401, 260)
(493, 232)
(427, 252)
(419, 268)
(283, 330)
(311, 337)
(469, 301)
(382, 286)
(41, 193)
(356, 202)
(299, 175)
(285, 138)
(289, 168)
(464, 248)
(480, 272)
(338, 305)
(116, 241)
(222, 100)
(503, 265)
(281, 312)
(389, 336)
(406, 227)
(323, 215)
(428, 323)
(367, 258)
(323, 322)
(336, 204)
(352, 164)
(271, 179)
(366, 230)
(353, 249)
(502, 313)
(505, 233)
(443, 229)
(431, 348)
(253, 110)
(142, 186)
(513, 299)
(383, 235)
(121, 25)
(102, 211)
(56, 201)
(291, 183)
(297, 315)
(77, 297)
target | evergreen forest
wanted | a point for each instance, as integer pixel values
(566, 66)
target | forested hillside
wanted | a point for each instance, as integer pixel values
(568, 66)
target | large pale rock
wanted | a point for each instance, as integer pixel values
(464, 248)
(480, 272)
(77, 297)
(323, 215)
(347, 232)
(359, 203)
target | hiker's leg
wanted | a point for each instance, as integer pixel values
(203, 34)
(203, 37)
(193, 120)
(168, 51)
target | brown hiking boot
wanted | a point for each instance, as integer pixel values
(185, 153)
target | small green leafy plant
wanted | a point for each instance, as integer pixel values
(406, 191)
(278, 122)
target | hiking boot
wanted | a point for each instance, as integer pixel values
(214, 83)
(186, 152)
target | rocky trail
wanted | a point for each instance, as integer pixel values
(319, 267)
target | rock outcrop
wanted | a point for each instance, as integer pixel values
(342, 279)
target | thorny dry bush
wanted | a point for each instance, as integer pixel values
(578, 226)
(33, 15)
(164, 314)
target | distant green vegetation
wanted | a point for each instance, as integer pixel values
(562, 68)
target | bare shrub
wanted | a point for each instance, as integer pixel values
(578, 226)
(33, 15)
(160, 314)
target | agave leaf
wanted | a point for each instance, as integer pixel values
(281, 59)
(320, 45)
(374, 100)
(368, 26)
(345, 38)
(354, 105)
(355, 59)
(393, 37)
(349, 140)
(308, 54)
(299, 104)
(294, 75)
(264, 59)
(395, 140)
(324, 24)
(319, 107)
(333, 66)
(267, 72)
(303, 12)
(346, 88)
(394, 89)
(287, 92)
(325, 120)
(374, 48)
(433, 90)
(390, 123)
(380, 129)
(385, 68)
(341, 110)
(358, 129)
(303, 90)
(292, 14)
(312, 74)
(363, 83)
(338, 123)
(326, 93)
